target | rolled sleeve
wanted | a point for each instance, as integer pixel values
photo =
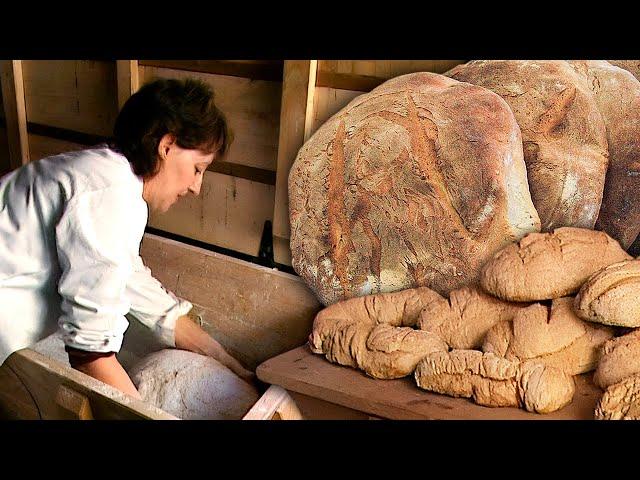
(154, 306)
(95, 239)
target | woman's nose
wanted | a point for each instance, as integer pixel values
(195, 186)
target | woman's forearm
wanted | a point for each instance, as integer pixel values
(189, 336)
(109, 370)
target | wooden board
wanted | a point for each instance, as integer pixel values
(364, 75)
(43, 377)
(229, 212)
(15, 120)
(79, 95)
(254, 69)
(299, 370)
(253, 311)
(252, 109)
(5, 166)
(295, 126)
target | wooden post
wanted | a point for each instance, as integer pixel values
(275, 404)
(14, 111)
(128, 80)
(296, 114)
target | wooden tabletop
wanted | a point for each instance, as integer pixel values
(299, 370)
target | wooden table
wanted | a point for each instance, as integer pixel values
(301, 371)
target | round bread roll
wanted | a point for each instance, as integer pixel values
(620, 359)
(544, 266)
(611, 296)
(415, 183)
(192, 386)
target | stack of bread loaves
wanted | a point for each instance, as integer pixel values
(418, 209)
(421, 180)
(515, 339)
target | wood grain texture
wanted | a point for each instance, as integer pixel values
(253, 69)
(229, 212)
(43, 376)
(301, 371)
(293, 115)
(78, 95)
(254, 312)
(15, 116)
(252, 110)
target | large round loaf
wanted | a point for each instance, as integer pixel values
(563, 134)
(415, 183)
(192, 386)
(617, 94)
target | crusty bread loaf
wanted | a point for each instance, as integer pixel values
(620, 359)
(415, 183)
(621, 401)
(617, 94)
(464, 319)
(543, 266)
(495, 382)
(374, 333)
(611, 296)
(553, 335)
(563, 134)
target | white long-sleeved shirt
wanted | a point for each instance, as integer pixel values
(70, 233)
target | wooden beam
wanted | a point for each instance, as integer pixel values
(254, 69)
(128, 80)
(275, 404)
(299, 81)
(60, 392)
(345, 81)
(14, 111)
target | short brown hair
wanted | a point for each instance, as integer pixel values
(183, 108)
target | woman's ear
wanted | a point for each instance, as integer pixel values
(165, 144)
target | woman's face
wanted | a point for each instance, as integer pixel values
(181, 172)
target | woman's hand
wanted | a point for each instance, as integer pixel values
(190, 336)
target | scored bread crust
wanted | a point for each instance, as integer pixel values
(415, 183)
(466, 316)
(611, 295)
(543, 266)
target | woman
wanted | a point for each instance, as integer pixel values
(71, 227)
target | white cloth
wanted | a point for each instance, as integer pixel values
(70, 233)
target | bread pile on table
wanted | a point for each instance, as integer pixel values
(470, 229)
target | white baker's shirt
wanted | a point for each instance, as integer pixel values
(70, 233)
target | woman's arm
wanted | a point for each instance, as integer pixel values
(105, 368)
(190, 336)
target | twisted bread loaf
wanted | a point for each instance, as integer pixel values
(493, 381)
(374, 333)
